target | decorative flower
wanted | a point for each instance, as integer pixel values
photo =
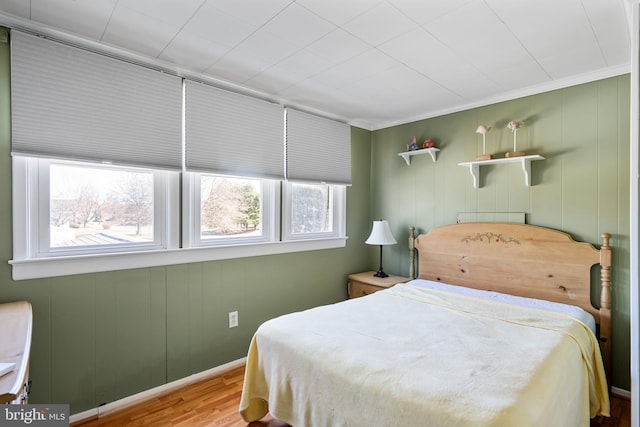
(483, 129)
(514, 126)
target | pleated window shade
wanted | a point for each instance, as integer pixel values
(318, 149)
(69, 103)
(232, 134)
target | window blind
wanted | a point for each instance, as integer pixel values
(69, 103)
(232, 134)
(318, 149)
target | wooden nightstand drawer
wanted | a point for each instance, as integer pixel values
(366, 283)
(359, 289)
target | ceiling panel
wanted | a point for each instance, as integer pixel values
(16, 7)
(219, 27)
(369, 29)
(337, 46)
(486, 43)
(341, 12)
(296, 68)
(64, 14)
(425, 54)
(424, 12)
(298, 26)
(532, 23)
(417, 91)
(253, 12)
(360, 67)
(172, 13)
(186, 50)
(139, 32)
(252, 56)
(611, 28)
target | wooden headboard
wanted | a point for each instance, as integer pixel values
(523, 260)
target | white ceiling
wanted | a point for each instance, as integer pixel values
(371, 63)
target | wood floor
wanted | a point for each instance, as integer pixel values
(214, 402)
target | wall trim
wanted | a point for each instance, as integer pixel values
(620, 392)
(163, 389)
(634, 210)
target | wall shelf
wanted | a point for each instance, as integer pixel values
(474, 167)
(408, 154)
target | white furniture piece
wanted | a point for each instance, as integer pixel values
(16, 320)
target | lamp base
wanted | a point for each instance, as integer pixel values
(381, 273)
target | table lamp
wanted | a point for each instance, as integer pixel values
(381, 235)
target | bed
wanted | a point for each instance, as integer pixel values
(498, 329)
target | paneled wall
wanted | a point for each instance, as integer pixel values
(581, 188)
(104, 336)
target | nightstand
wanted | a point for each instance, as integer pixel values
(366, 283)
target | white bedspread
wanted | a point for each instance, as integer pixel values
(414, 356)
(571, 310)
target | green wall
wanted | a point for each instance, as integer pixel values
(581, 188)
(104, 336)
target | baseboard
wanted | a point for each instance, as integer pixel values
(129, 401)
(620, 392)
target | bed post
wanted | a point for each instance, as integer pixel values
(605, 303)
(412, 253)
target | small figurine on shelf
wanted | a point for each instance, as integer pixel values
(513, 127)
(413, 146)
(429, 143)
(483, 129)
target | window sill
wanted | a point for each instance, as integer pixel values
(66, 266)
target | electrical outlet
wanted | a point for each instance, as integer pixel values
(233, 319)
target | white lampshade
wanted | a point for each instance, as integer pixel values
(381, 234)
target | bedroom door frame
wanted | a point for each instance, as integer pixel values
(634, 220)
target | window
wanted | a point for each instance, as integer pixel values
(100, 148)
(81, 208)
(229, 210)
(312, 211)
(75, 217)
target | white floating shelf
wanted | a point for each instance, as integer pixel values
(474, 167)
(408, 154)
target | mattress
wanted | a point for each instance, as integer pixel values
(411, 355)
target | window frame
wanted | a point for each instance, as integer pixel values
(337, 194)
(270, 200)
(42, 248)
(26, 266)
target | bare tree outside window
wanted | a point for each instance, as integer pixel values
(136, 195)
(91, 206)
(85, 204)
